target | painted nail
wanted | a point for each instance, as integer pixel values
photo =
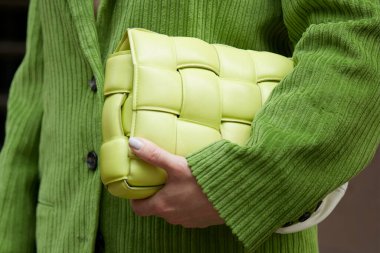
(135, 143)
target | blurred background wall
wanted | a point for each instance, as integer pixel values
(354, 227)
(12, 47)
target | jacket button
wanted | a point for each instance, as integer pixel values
(304, 217)
(92, 160)
(288, 224)
(99, 244)
(92, 84)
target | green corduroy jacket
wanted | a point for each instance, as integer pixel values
(320, 127)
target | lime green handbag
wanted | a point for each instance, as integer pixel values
(182, 94)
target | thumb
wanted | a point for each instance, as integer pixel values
(152, 154)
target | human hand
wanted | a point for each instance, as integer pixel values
(181, 201)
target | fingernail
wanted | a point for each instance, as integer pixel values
(135, 143)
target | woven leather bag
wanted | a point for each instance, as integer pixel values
(182, 94)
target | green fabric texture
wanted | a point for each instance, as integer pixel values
(320, 127)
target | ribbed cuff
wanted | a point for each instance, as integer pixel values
(253, 195)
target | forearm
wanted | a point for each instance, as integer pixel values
(19, 156)
(318, 130)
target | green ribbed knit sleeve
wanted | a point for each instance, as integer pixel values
(19, 156)
(319, 129)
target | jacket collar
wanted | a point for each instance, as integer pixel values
(85, 25)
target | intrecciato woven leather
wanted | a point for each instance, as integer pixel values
(181, 93)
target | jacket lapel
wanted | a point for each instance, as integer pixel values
(84, 21)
